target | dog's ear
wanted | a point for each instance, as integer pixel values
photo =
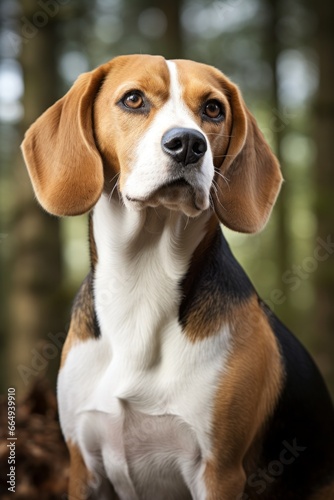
(60, 153)
(249, 177)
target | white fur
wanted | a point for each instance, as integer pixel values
(138, 400)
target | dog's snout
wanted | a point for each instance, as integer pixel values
(185, 145)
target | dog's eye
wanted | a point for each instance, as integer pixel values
(133, 100)
(213, 110)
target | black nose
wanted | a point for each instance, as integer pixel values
(185, 145)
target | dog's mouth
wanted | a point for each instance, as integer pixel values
(177, 183)
(177, 194)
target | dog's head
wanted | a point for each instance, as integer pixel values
(173, 133)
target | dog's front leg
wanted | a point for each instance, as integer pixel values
(83, 484)
(79, 487)
(225, 483)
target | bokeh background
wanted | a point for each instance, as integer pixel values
(280, 53)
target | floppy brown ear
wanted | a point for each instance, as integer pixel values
(244, 199)
(59, 150)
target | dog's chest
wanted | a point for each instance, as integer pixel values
(138, 401)
(147, 430)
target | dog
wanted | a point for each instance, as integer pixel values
(176, 380)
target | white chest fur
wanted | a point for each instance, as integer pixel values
(138, 400)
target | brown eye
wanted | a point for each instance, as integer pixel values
(213, 110)
(133, 100)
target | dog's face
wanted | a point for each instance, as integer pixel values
(170, 133)
(168, 117)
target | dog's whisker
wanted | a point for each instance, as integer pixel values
(225, 179)
(211, 203)
(219, 135)
(113, 189)
(223, 156)
(187, 222)
(216, 189)
(157, 213)
(116, 175)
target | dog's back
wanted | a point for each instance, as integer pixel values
(296, 458)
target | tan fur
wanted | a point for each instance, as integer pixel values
(79, 475)
(245, 399)
(73, 337)
(117, 131)
(60, 152)
(253, 176)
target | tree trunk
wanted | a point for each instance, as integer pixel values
(172, 43)
(324, 134)
(34, 235)
(279, 128)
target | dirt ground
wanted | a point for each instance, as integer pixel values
(41, 458)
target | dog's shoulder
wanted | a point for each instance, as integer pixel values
(84, 324)
(83, 310)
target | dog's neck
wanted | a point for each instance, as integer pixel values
(142, 257)
(132, 237)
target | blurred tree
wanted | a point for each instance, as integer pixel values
(324, 183)
(171, 43)
(36, 266)
(273, 49)
(159, 23)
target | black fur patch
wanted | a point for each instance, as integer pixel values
(214, 284)
(83, 309)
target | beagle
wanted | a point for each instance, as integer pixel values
(176, 382)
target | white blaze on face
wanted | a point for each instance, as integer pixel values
(153, 168)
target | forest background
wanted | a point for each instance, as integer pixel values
(279, 52)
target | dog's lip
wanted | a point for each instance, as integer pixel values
(179, 182)
(170, 195)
